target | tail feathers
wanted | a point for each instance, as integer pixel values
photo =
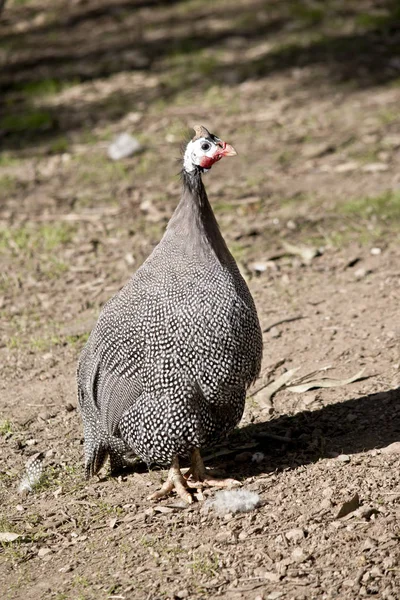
(97, 454)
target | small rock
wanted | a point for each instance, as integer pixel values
(258, 267)
(66, 569)
(326, 504)
(275, 595)
(44, 552)
(257, 457)
(389, 562)
(295, 534)
(182, 593)
(369, 544)
(361, 273)
(345, 458)
(129, 259)
(272, 577)
(328, 492)
(134, 117)
(275, 333)
(8, 536)
(299, 555)
(123, 146)
(223, 536)
(351, 417)
(375, 251)
(348, 507)
(31, 442)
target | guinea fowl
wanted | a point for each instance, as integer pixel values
(166, 368)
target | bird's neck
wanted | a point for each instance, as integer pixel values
(194, 219)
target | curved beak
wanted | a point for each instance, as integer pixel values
(227, 150)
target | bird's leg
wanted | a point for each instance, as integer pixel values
(175, 480)
(199, 474)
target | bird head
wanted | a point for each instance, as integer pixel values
(204, 150)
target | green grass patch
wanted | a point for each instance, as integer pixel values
(45, 343)
(27, 121)
(6, 427)
(46, 87)
(308, 13)
(8, 185)
(30, 238)
(59, 145)
(385, 207)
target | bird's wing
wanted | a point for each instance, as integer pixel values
(115, 394)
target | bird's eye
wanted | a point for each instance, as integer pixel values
(205, 146)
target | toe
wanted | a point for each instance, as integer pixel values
(222, 483)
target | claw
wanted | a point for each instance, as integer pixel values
(175, 481)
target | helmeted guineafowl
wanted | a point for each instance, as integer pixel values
(166, 368)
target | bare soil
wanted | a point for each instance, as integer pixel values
(309, 94)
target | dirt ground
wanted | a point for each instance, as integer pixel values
(309, 94)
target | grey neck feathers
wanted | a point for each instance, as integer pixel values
(194, 219)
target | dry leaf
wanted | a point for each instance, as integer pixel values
(325, 382)
(349, 507)
(264, 396)
(8, 536)
(164, 509)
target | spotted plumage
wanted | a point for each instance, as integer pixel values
(166, 368)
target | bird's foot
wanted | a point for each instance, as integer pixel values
(197, 475)
(195, 479)
(175, 481)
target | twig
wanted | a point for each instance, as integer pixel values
(273, 436)
(288, 320)
(39, 405)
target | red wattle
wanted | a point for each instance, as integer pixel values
(206, 162)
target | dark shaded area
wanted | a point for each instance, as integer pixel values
(97, 40)
(357, 425)
(350, 427)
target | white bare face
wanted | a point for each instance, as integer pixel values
(200, 153)
(203, 151)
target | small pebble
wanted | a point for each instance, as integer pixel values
(295, 534)
(361, 273)
(345, 458)
(123, 146)
(257, 457)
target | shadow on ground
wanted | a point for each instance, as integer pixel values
(357, 425)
